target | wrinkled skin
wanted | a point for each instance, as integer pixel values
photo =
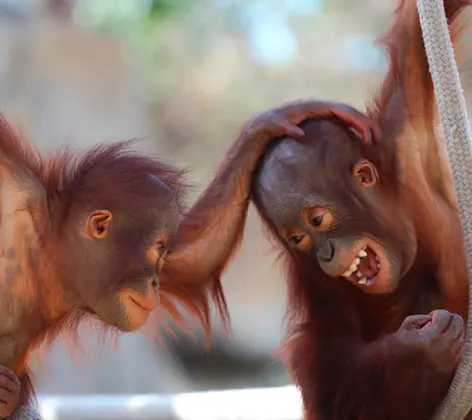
(440, 336)
(9, 391)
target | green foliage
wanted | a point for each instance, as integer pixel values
(125, 15)
(160, 8)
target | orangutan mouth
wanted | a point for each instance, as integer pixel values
(365, 267)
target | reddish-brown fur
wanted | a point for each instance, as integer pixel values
(218, 215)
(54, 191)
(63, 176)
(343, 349)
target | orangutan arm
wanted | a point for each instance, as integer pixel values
(407, 113)
(405, 106)
(404, 375)
(212, 229)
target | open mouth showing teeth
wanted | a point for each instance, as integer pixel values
(365, 268)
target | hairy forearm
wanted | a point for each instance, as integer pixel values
(379, 380)
(214, 224)
(392, 381)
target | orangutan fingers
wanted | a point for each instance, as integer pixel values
(443, 320)
(8, 402)
(9, 375)
(277, 125)
(458, 342)
(415, 322)
(299, 111)
(8, 386)
(5, 398)
(456, 325)
(367, 136)
(366, 126)
(293, 130)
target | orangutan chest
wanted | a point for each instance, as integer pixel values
(18, 251)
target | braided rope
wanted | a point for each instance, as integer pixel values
(453, 117)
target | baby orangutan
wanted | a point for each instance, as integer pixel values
(77, 238)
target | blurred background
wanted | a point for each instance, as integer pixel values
(182, 75)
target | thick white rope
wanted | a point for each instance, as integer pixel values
(453, 116)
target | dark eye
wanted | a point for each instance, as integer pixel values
(317, 221)
(296, 239)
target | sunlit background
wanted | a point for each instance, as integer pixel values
(182, 75)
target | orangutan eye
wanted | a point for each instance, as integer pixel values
(320, 218)
(296, 239)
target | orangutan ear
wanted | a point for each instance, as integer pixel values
(98, 224)
(365, 173)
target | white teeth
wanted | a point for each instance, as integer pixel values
(365, 281)
(353, 268)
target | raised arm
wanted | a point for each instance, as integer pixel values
(212, 229)
(405, 105)
(413, 140)
(401, 376)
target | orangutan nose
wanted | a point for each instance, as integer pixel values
(326, 252)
